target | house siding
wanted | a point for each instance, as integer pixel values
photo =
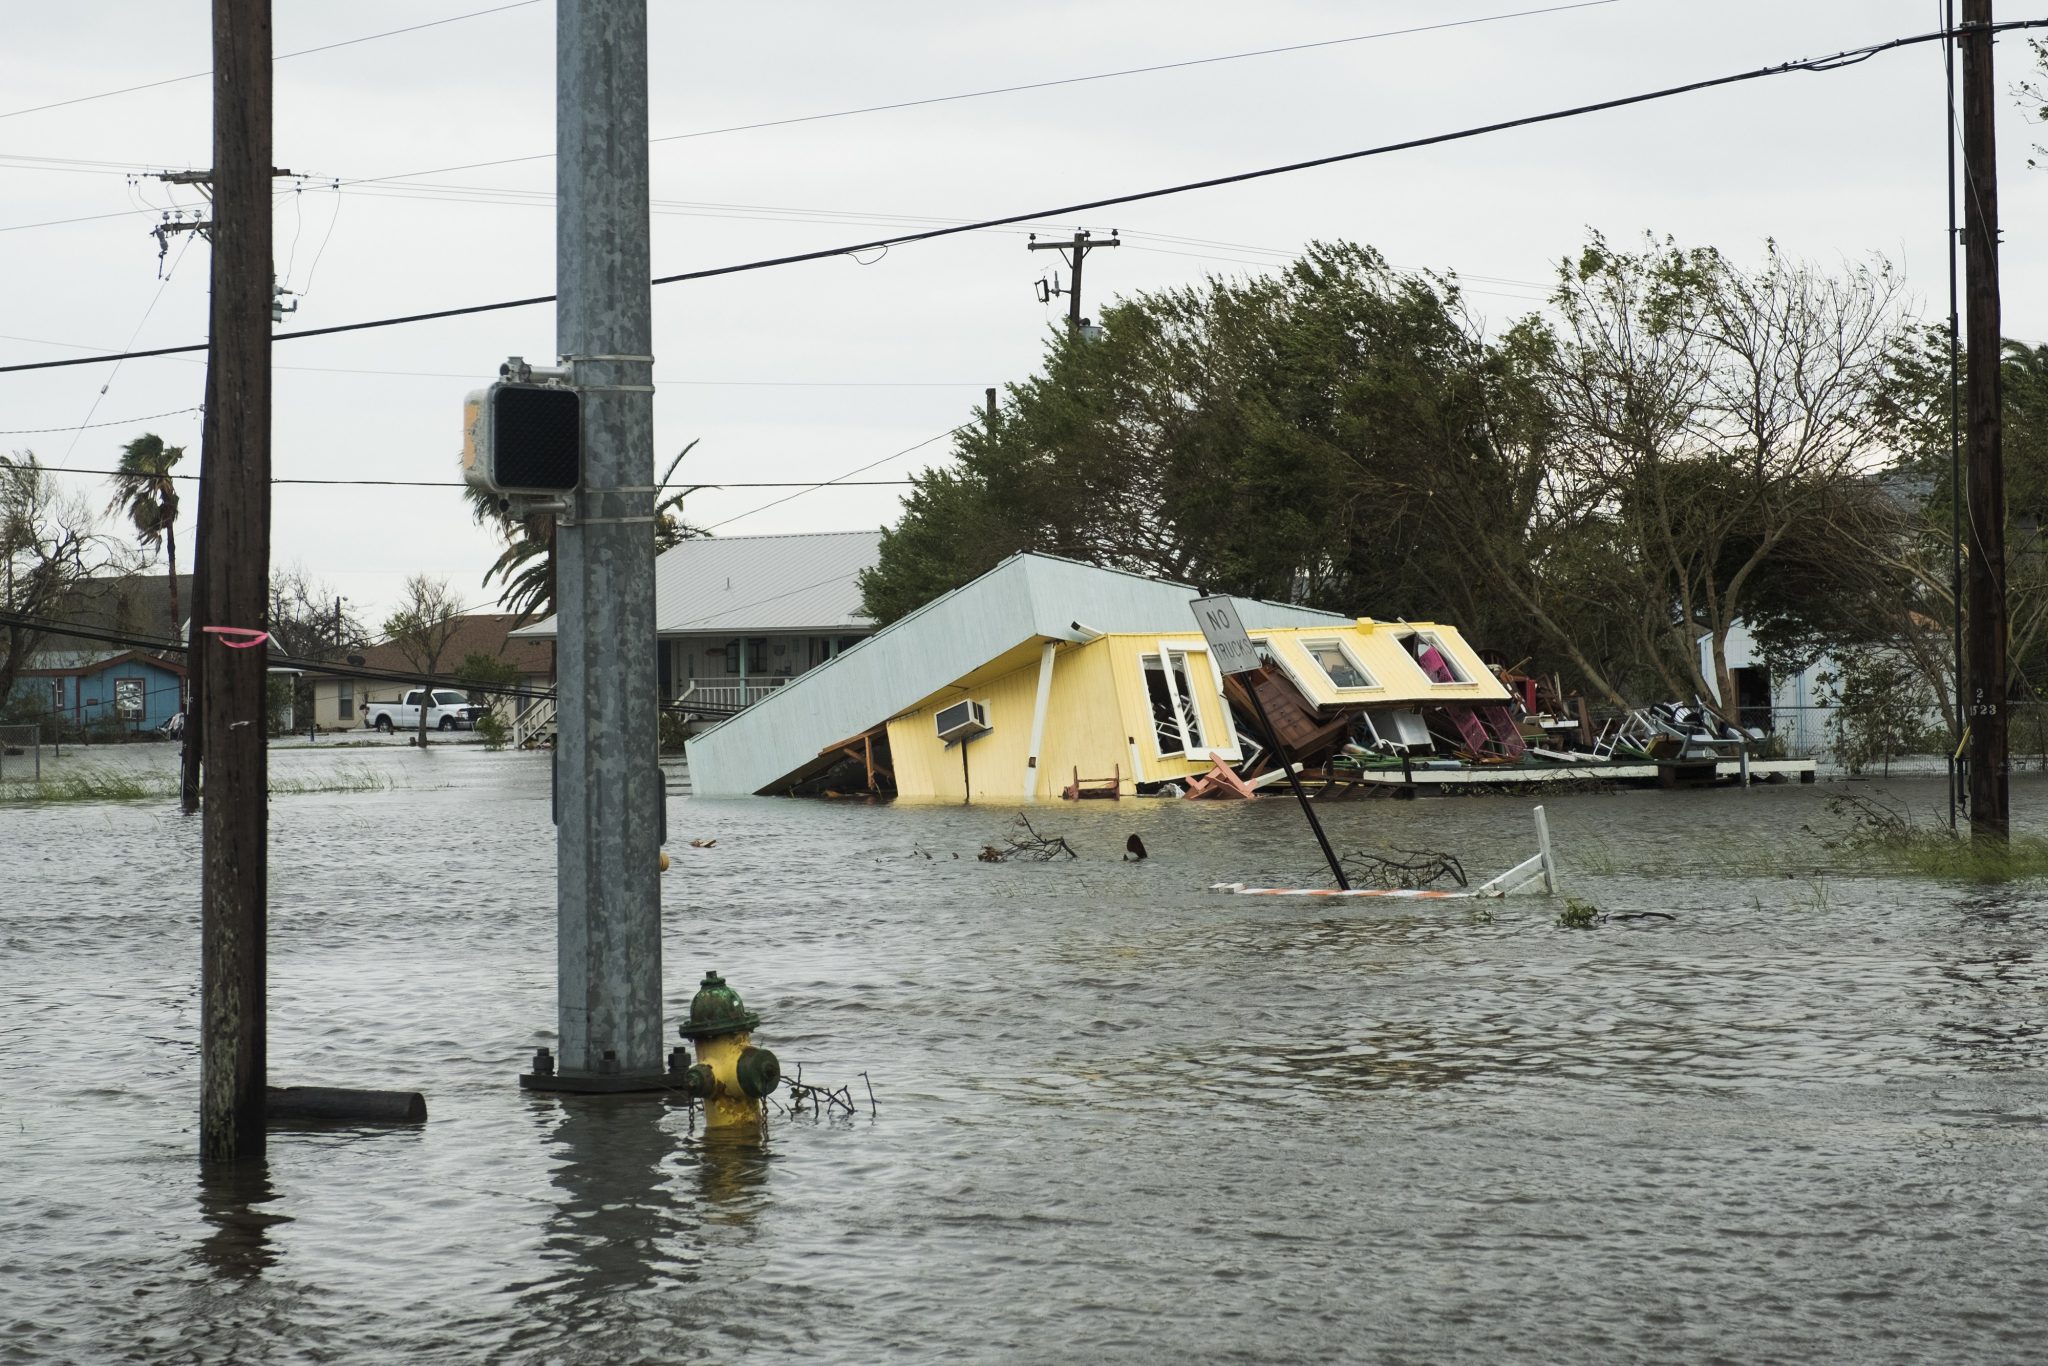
(90, 695)
(1098, 722)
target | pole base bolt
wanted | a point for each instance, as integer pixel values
(678, 1060)
(543, 1063)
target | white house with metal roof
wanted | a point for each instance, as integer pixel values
(1022, 604)
(738, 617)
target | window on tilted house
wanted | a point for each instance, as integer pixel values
(1435, 659)
(1176, 723)
(1338, 664)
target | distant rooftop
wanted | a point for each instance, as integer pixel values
(799, 582)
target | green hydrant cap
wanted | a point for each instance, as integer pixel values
(758, 1072)
(717, 1009)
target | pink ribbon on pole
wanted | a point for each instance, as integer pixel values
(250, 637)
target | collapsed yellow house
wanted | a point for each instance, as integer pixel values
(1043, 672)
(1149, 707)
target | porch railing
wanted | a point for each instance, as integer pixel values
(728, 696)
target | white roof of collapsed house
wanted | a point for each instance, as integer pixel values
(1025, 597)
(802, 582)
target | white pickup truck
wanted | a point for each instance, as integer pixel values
(448, 710)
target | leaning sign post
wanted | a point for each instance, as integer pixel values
(1234, 653)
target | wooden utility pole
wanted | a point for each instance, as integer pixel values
(1985, 626)
(1075, 252)
(234, 521)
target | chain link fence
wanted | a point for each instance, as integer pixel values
(21, 753)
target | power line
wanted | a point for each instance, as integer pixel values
(841, 480)
(1014, 89)
(474, 378)
(1142, 70)
(282, 56)
(154, 299)
(90, 426)
(60, 163)
(1836, 61)
(457, 483)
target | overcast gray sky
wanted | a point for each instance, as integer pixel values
(809, 371)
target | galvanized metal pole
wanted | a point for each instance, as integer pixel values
(234, 520)
(608, 893)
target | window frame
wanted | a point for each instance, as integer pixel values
(1421, 639)
(1163, 649)
(1309, 645)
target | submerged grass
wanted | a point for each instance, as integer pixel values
(114, 785)
(1939, 854)
(1885, 836)
(1869, 837)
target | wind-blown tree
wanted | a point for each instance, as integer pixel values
(1721, 413)
(49, 542)
(1592, 494)
(1279, 437)
(526, 567)
(147, 495)
(309, 620)
(427, 619)
(1907, 539)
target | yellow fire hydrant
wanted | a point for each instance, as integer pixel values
(730, 1075)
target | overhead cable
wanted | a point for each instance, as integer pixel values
(686, 484)
(282, 56)
(1017, 89)
(1828, 63)
(90, 426)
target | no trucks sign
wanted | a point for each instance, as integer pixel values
(1229, 646)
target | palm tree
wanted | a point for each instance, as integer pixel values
(146, 493)
(527, 566)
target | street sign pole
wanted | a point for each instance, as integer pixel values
(1233, 652)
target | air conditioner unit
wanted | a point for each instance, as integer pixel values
(963, 721)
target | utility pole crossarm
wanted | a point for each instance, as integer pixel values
(1074, 252)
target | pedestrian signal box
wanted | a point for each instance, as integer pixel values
(523, 439)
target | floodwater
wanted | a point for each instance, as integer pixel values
(1118, 1117)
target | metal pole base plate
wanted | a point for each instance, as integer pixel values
(599, 1083)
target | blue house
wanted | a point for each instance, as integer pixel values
(139, 691)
